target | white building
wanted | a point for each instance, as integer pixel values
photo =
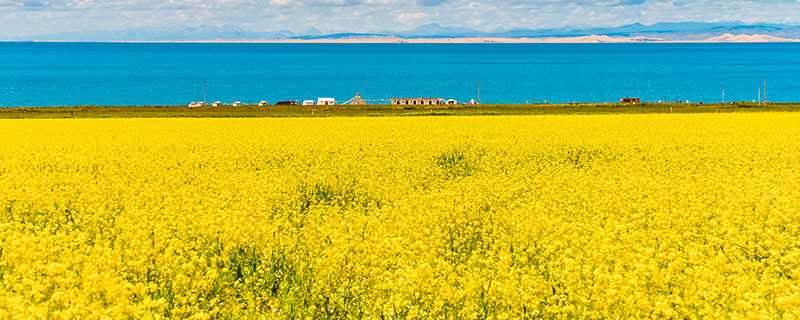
(326, 101)
(308, 102)
(417, 101)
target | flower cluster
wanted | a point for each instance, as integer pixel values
(630, 216)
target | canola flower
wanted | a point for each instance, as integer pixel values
(629, 216)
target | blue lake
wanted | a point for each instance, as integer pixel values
(49, 74)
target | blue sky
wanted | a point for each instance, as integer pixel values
(20, 18)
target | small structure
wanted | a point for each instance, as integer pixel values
(326, 101)
(473, 102)
(263, 103)
(630, 101)
(308, 102)
(357, 100)
(287, 103)
(452, 101)
(417, 101)
(216, 104)
(236, 104)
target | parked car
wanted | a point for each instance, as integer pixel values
(286, 103)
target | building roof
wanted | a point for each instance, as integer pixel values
(417, 98)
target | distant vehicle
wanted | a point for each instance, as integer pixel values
(326, 101)
(263, 103)
(197, 104)
(308, 102)
(236, 104)
(452, 101)
(287, 103)
(216, 104)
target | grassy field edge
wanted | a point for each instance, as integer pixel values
(378, 110)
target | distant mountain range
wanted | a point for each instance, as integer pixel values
(673, 31)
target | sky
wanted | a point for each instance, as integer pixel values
(23, 18)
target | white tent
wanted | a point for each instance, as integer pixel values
(326, 101)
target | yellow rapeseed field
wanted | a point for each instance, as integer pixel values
(625, 216)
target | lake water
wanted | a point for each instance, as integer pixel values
(48, 74)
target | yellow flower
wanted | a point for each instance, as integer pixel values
(628, 216)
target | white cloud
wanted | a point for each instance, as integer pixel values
(20, 18)
(410, 17)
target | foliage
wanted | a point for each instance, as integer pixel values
(628, 216)
(292, 111)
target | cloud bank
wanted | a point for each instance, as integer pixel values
(22, 18)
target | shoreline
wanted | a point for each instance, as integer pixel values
(251, 111)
